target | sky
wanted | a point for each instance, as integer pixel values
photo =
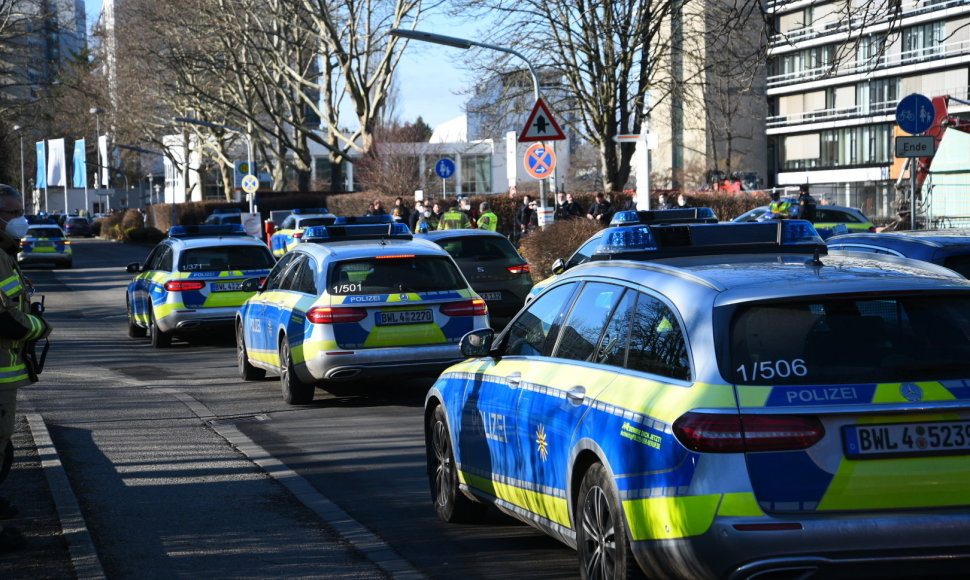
(429, 78)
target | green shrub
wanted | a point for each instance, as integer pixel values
(560, 240)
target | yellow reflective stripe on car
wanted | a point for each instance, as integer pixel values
(551, 507)
(892, 393)
(896, 479)
(739, 505)
(167, 308)
(660, 518)
(270, 357)
(404, 335)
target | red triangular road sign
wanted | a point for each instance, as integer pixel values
(541, 126)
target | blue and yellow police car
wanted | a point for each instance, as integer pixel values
(763, 411)
(192, 281)
(353, 302)
(46, 244)
(290, 232)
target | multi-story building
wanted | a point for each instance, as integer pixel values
(38, 39)
(836, 72)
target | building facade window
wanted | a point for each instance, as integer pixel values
(923, 41)
(845, 147)
(476, 174)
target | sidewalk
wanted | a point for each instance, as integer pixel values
(47, 554)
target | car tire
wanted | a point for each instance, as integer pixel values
(602, 536)
(450, 503)
(134, 331)
(159, 339)
(295, 391)
(247, 372)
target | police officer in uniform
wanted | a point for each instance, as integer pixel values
(17, 328)
(487, 220)
(454, 218)
(778, 208)
(807, 206)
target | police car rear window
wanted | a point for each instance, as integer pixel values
(395, 274)
(52, 232)
(479, 249)
(850, 340)
(217, 259)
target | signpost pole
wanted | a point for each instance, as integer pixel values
(914, 114)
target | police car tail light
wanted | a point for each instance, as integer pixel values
(732, 433)
(183, 285)
(523, 269)
(335, 315)
(474, 307)
(298, 235)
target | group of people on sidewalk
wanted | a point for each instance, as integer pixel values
(428, 216)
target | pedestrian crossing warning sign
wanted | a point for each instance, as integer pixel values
(541, 126)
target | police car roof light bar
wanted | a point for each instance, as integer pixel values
(303, 210)
(704, 215)
(206, 230)
(663, 240)
(336, 233)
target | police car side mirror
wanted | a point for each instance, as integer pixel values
(477, 343)
(251, 284)
(559, 266)
(133, 268)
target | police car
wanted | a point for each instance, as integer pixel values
(46, 244)
(949, 247)
(747, 406)
(290, 232)
(697, 215)
(192, 281)
(355, 301)
(830, 220)
(221, 216)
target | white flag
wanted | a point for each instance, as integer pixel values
(103, 171)
(56, 163)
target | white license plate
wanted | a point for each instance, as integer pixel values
(491, 296)
(392, 317)
(227, 286)
(936, 438)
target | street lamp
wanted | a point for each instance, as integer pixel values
(249, 148)
(20, 130)
(465, 44)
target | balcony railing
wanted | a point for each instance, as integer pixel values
(835, 114)
(883, 62)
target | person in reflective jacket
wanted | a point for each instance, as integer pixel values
(18, 328)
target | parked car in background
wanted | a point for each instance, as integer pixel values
(949, 248)
(492, 265)
(290, 231)
(231, 215)
(830, 220)
(76, 225)
(46, 244)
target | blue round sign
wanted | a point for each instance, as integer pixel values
(915, 114)
(445, 168)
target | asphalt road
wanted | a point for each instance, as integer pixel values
(183, 470)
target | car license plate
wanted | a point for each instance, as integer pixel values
(392, 317)
(44, 244)
(491, 296)
(936, 438)
(227, 286)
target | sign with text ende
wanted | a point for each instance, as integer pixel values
(923, 146)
